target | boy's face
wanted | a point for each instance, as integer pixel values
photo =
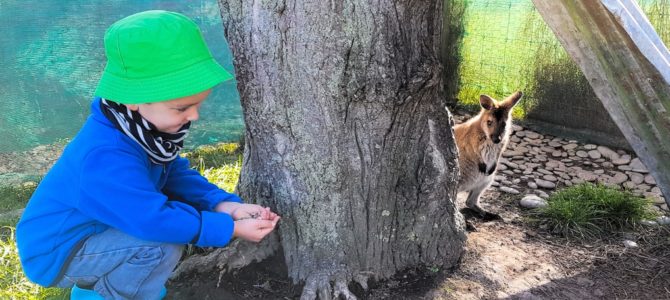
(170, 116)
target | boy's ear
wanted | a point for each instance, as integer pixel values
(133, 107)
(486, 102)
(513, 99)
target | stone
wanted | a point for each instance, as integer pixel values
(629, 244)
(623, 160)
(532, 201)
(508, 190)
(582, 154)
(512, 153)
(629, 185)
(594, 154)
(533, 135)
(532, 185)
(570, 146)
(587, 176)
(554, 144)
(636, 178)
(551, 178)
(545, 184)
(649, 179)
(649, 223)
(637, 166)
(663, 220)
(618, 178)
(607, 152)
(624, 168)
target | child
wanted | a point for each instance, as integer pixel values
(112, 215)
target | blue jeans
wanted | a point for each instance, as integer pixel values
(118, 266)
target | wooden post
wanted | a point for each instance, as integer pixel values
(626, 64)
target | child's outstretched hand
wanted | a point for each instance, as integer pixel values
(254, 230)
(252, 211)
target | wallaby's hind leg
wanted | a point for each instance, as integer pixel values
(472, 203)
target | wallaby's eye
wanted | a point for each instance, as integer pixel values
(489, 123)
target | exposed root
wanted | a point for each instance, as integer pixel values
(362, 279)
(237, 254)
(319, 284)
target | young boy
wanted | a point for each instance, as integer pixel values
(112, 215)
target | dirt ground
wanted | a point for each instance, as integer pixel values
(509, 259)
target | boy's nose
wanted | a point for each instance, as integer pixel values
(193, 115)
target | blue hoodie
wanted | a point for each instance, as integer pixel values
(105, 179)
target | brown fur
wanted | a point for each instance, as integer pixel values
(481, 140)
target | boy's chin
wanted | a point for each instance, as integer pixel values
(171, 130)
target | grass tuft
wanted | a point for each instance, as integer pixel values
(13, 284)
(15, 196)
(212, 156)
(590, 211)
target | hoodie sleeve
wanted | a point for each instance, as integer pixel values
(116, 189)
(187, 184)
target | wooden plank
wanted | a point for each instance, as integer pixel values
(626, 73)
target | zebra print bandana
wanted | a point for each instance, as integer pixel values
(161, 147)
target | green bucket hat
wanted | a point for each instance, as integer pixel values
(156, 56)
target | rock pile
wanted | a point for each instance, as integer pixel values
(537, 164)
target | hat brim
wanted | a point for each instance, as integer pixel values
(185, 82)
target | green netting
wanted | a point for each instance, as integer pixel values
(51, 57)
(507, 46)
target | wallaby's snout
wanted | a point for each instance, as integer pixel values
(496, 139)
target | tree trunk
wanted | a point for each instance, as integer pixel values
(346, 136)
(627, 66)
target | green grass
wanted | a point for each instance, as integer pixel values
(220, 164)
(15, 197)
(13, 284)
(591, 211)
(213, 156)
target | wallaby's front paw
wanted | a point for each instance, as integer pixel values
(477, 212)
(488, 216)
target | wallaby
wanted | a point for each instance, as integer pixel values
(481, 140)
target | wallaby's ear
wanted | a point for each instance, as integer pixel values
(513, 99)
(486, 102)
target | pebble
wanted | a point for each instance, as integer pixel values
(545, 184)
(637, 166)
(508, 190)
(663, 220)
(629, 244)
(649, 223)
(532, 201)
(649, 179)
(593, 154)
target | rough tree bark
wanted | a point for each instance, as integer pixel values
(628, 67)
(346, 135)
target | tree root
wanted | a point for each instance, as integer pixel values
(319, 284)
(236, 255)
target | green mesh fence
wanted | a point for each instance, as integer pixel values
(51, 57)
(507, 47)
